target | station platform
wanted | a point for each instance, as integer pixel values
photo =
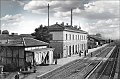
(41, 70)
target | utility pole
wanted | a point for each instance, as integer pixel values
(71, 17)
(48, 15)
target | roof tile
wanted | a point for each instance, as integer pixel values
(59, 27)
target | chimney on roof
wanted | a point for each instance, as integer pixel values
(79, 28)
(56, 22)
(75, 26)
(66, 23)
(62, 23)
(14, 34)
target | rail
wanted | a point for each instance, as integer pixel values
(87, 76)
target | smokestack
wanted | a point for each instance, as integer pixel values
(48, 15)
(71, 17)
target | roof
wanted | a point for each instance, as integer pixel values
(96, 37)
(59, 27)
(56, 27)
(5, 36)
(33, 42)
(23, 41)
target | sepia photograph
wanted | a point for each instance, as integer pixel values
(59, 39)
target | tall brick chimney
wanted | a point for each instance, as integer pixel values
(71, 17)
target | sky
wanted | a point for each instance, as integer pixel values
(93, 16)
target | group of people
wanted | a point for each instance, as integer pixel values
(27, 67)
(85, 53)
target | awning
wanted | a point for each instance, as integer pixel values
(42, 49)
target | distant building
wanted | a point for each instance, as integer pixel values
(14, 33)
(27, 35)
(21, 50)
(67, 40)
(95, 40)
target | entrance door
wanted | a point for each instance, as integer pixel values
(73, 49)
(67, 50)
(70, 50)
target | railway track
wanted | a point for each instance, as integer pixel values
(81, 66)
(107, 69)
(87, 69)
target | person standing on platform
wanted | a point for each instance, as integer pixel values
(85, 53)
(55, 61)
(91, 54)
(17, 75)
(80, 53)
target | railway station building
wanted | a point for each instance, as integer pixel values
(67, 40)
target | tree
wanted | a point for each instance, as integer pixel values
(42, 33)
(5, 32)
(98, 34)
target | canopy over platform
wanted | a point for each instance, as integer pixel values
(40, 56)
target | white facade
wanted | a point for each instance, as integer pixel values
(44, 56)
(40, 55)
(72, 42)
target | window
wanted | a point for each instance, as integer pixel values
(70, 36)
(70, 50)
(80, 37)
(66, 36)
(51, 36)
(73, 37)
(76, 48)
(84, 46)
(67, 49)
(73, 49)
(76, 37)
